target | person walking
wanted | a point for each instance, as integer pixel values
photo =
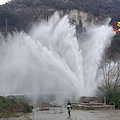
(69, 107)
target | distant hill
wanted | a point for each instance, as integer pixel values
(96, 7)
(21, 14)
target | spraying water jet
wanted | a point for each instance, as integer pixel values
(50, 58)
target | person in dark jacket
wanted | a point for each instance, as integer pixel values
(69, 107)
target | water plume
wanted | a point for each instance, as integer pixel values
(93, 42)
(50, 59)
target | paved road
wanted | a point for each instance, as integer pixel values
(61, 114)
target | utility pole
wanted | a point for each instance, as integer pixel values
(6, 21)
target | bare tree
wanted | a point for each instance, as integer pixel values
(110, 83)
(111, 77)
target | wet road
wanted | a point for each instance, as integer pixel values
(61, 114)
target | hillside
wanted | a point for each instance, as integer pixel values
(96, 7)
(21, 14)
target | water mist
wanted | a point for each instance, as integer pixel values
(50, 59)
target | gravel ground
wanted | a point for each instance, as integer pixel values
(61, 114)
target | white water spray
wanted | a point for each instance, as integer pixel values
(93, 44)
(49, 59)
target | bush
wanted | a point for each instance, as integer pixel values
(11, 105)
(114, 97)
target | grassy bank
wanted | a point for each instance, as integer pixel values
(13, 106)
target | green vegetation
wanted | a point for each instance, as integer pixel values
(114, 97)
(11, 106)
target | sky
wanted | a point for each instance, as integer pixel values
(3, 1)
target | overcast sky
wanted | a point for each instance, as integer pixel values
(3, 1)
